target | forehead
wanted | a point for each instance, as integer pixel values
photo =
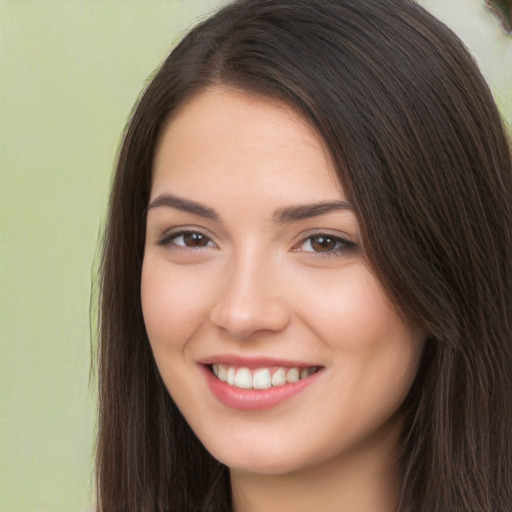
(224, 134)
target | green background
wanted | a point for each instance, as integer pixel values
(70, 71)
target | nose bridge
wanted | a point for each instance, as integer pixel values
(249, 298)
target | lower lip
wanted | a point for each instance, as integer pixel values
(255, 399)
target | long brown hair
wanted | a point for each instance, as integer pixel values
(424, 158)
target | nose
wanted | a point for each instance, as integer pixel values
(250, 301)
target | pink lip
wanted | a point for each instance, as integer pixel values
(255, 399)
(253, 362)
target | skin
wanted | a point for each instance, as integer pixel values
(259, 286)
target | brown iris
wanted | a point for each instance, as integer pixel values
(323, 243)
(195, 240)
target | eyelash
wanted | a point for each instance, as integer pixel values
(169, 238)
(342, 245)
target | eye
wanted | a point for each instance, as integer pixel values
(186, 239)
(325, 244)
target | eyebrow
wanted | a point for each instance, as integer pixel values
(186, 205)
(282, 215)
(294, 213)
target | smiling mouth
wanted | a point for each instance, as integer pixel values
(261, 378)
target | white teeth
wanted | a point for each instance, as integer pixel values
(292, 375)
(261, 378)
(222, 373)
(279, 378)
(243, 378)
(231, 376)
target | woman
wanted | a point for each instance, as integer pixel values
(306, 281)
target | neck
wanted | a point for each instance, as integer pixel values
(367, 478)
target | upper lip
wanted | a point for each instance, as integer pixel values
(254, 362)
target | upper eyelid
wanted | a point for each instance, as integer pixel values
(176, 231)
(167, 225)
(299, 239)
(324, 231)
(337, 238)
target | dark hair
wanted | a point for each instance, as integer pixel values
(423, 156)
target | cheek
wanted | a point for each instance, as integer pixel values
(375, 352)
(349, 309)
(172, 304)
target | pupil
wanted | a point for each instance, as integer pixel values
(195, 240)
(323, 243)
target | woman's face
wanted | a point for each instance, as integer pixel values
(270, 331)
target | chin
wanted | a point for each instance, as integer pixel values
(263, 458)
(262, 464)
